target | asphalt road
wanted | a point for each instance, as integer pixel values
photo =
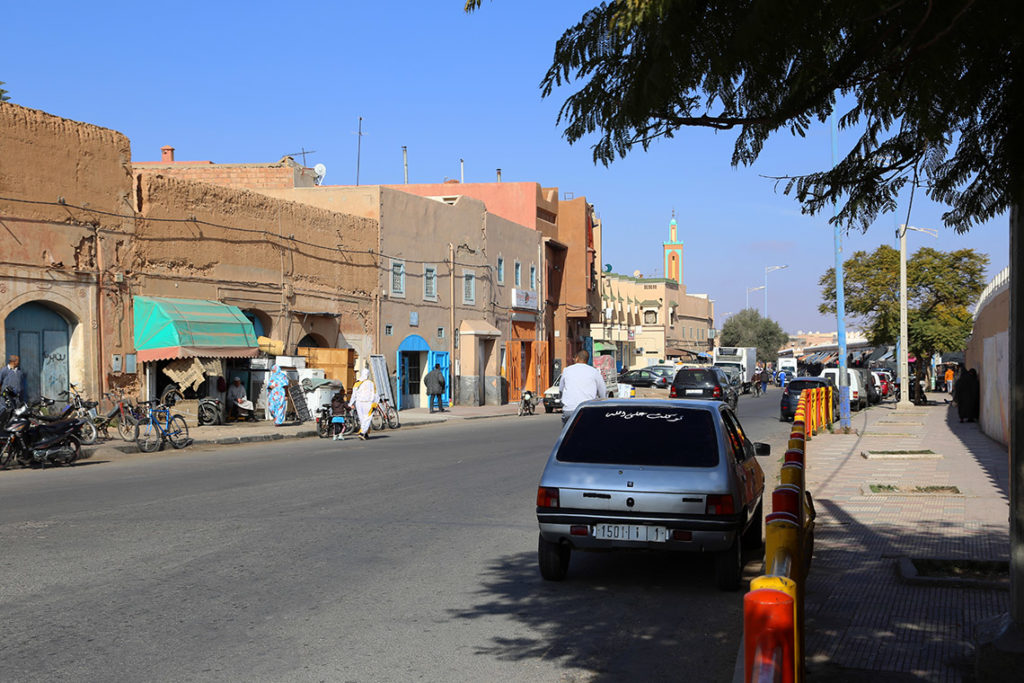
(408, 557)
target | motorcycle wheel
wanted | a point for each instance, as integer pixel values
(208, 414)
(7, 454)
(126, 427)
(149, 439)
(323, 427)
(76, 447)
(392, 416)
(87, 433)
(377, 420)
(171, 395)
(177, 432)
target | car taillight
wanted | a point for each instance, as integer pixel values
(716, 392)
(547, 497)
(719, 505)
(672, 391)
(856, 395)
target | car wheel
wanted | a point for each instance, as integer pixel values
(753, 538)
(729, 567)
(553, 559)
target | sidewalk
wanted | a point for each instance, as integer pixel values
(265, 430)
(867, 615)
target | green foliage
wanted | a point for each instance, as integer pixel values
(748, 328)
(930, 86)
(3, 93)
(940, 287)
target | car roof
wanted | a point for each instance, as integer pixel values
(689, 404)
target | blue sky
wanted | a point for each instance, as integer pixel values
(249, 82)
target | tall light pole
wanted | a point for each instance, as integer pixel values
(904, 365)
(769, 269)
(752, 289)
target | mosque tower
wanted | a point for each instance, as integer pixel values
(673, 254)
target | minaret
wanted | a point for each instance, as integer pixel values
(673, 254)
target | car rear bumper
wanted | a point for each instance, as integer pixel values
(705, 535)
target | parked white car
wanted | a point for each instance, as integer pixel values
(858, 394)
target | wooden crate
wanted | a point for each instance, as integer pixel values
(338, 364)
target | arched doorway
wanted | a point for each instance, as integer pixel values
(261, 323)
(312, 340)
(411, 364)
(39, 336)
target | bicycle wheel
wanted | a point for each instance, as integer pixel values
(87, 433)
(126, 426)
(377, 419)
(351, 425)
(149, 438)
(177, 432)
(392, 416)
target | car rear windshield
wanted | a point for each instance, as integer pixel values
(644, 436)
(696, 377)
(800, 385)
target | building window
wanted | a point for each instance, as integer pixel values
(389, 330)
(468, 288)
(501, 271)
(440, 333)
(533, 277)
(518, 274)
(430, 283)
(650, 317)
(397, 278)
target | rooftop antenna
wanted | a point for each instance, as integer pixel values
(405, 162)
(302, 154)
(359, 147)
(462, 171)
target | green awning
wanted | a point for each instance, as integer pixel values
(604, 346)
(188, 328)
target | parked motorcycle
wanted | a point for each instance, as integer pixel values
(210, 411)
(526, 403)
(32, 443)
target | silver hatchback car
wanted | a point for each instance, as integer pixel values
(652, 474)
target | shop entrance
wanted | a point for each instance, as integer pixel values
(411, 363)
(38, 335)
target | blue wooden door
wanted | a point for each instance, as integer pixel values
(441, 358)
(39, 337)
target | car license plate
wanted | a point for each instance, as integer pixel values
(630, 532)
(695, 391)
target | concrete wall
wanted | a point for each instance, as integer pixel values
(988, 352)
(285, 174)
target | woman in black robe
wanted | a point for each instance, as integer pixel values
(967, 395)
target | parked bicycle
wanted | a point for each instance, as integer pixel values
(159, 427)
(325, 424)
(124, 413)
(384, 415)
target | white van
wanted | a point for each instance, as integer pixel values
(858, 397)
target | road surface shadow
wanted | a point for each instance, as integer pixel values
(617, 616)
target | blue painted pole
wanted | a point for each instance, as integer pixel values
(844, 379)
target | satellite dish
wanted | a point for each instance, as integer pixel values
(320, 171)
(607, 267)
(637, 273)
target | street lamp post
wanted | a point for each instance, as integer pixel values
(752, 289)
(769, 269)
(904, 365)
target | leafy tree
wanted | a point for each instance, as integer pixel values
(940, 287)
(748, 328)
(932, 87)
(3, 94)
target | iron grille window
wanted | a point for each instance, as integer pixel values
(501, 271)
(533, 277)
(398, 278)
(519, 274)
(468, 288)
(429, 282)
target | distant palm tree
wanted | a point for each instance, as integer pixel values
(3, 94)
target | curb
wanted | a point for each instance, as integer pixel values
(908, 574)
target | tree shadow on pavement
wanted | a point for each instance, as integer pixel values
(864, 623)
(617, 616)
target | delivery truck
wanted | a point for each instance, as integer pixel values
(742, 358)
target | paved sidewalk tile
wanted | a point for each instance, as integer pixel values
(860, 615)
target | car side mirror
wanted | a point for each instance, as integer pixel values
(762, 448)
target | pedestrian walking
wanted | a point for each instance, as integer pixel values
(765, 374)
(580, 382)
(277, 399)
(12, 377)
(966, 395)
(435, 387)
(949, 379)
(338, 407)
(364, 395)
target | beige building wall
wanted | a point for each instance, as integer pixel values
(988, 351)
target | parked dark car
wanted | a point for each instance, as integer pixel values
(791, 395)
(708, 383)
(644, 378)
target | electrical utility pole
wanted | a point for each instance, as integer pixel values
(837, 239)
(359, 147)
